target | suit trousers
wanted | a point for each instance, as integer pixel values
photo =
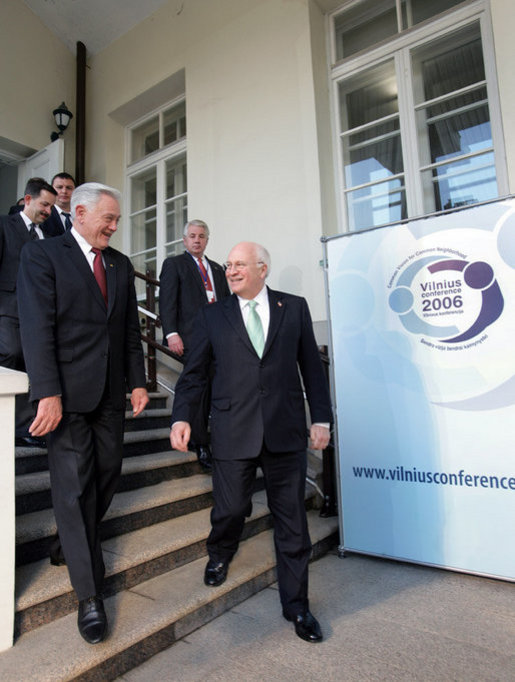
(85, 457)
(285, 481)
(11, 356)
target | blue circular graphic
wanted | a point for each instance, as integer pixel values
(478, 275)
(401, 300)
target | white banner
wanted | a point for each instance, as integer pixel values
(423, 340)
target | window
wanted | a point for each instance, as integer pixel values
(415, 114)
(157, 189)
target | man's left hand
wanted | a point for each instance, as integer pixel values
(139, 400)
(319, 436)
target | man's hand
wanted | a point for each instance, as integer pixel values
(48, 416)
(175, 344)
(139, 400)
(180, 436)
(319, 436)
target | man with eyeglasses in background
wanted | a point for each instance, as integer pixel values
(258, 340)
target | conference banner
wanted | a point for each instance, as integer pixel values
(423, 350)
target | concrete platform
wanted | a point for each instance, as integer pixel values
(382, 620)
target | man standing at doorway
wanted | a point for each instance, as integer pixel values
(60, 218)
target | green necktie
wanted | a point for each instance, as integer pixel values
(255, 328)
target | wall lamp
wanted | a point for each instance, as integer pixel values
(62, 118)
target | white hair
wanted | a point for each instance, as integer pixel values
(89, 195)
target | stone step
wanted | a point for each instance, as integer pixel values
(135, 443)
(148, 419)
(129, 511)
(44, 592)
(33, 490)
(157, 400)
(152, 616)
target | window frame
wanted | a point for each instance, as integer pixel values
(399, 48)
(158, 160)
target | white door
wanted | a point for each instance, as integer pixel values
(43, 164)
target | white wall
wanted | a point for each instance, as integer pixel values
(37, 74)
(252, 129)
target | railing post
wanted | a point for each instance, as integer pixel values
(150, 328)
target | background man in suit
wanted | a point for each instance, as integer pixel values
(82, 343)
(189, 282)
(259, 339)
(16, 230)
(60, 218)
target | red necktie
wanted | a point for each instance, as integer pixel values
(100, 273)
(207, 281)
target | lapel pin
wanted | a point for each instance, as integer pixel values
(279, 304)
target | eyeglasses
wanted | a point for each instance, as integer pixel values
(240, 266)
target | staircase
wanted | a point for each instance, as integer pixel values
(154, 549)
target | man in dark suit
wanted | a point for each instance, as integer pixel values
(81, 337)
(60, 218)
(189, 282)
(16, 230)
(258, 340)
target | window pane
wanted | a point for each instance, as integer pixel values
(174, 122)
(145, 139)
(453, 69)
(143, 218)
(420, 10)
(460, 125)
(376, 205)
(455, 126)
(373, 154)
(370, 96)
(176, 200)
(369, 22)
(461, 183)
(364, 25)
(371, 147)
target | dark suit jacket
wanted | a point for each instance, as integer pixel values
(53, 226)
(182, 294)
(13, 237)
(70, 341)
(255, 400)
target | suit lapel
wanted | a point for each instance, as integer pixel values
(231, 308)
(79, 260)
(277, 309)
(110, 266)
(217, 279)
(20, 227)
(192, 265)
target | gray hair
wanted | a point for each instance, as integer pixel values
(262, 256)
(89, 195)
(197, 223)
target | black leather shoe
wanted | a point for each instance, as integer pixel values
(215, 573)
(306, 626)
(30, 441)
(92, 620)
(204, 457)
